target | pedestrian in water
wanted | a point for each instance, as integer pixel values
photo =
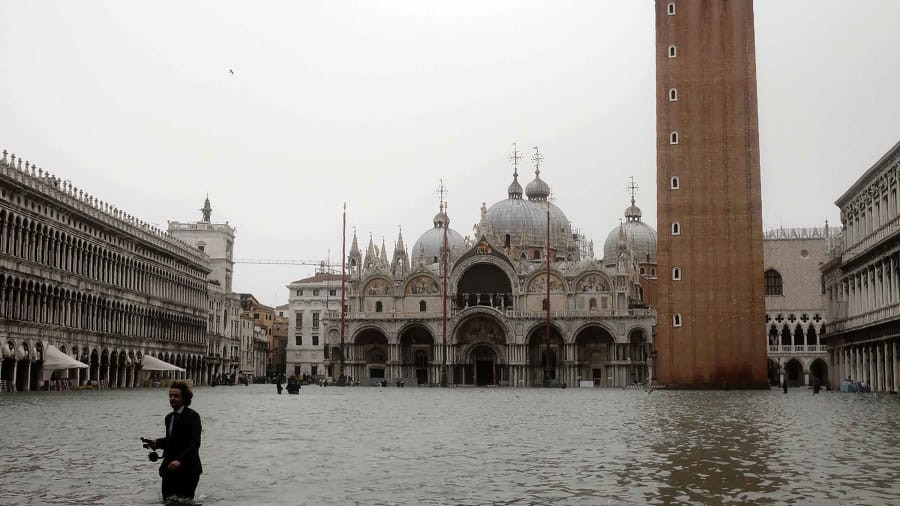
(278, 384)
(181, 467)
(784, 385)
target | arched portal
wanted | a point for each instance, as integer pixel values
(371, 345)
(95, 366)
(545, 355)
(484, 285)
(819, 370)
(476, 331)
(483, 362)
(594, 350)
(416, 345)
(23, 368)
(793, 371)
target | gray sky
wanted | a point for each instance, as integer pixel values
(372, 103)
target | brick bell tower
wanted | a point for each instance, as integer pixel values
(711, 300)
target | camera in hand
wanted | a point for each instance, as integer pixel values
(152, 456)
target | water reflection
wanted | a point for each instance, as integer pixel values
(461, 446)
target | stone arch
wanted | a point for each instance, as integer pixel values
(793, 372)
(377, 285)
(535, 283)
(459, 332)
(545, 356)
(422, 283)
(459, 270)
(594, 349)
(371, 345)
(818, 369)
(416, 351)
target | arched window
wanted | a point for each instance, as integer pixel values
(676, 320)
(592, 304)
(773, 335)
(673, 95)
(673, 138)
(676, 273)
(506, 241)
(422, 306)
(672, 52)
(674, 183)
(536, 255)
(378, 307)
(545, 305)
(642, 271)
(676, 228)
(670, 9)
(773, 283)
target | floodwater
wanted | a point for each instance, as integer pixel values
(461, 446)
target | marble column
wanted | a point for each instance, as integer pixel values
(878, 368)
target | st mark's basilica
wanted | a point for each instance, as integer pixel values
(496, 328)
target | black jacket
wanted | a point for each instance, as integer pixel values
(183, 443)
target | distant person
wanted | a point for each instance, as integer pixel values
(280, 388)
(784, 385)
(180, 469)
(816, 386)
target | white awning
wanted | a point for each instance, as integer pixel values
(55, 359)
(151, 363)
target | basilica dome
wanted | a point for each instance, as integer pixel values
(640, 236)
(516, 222)
(430, 243)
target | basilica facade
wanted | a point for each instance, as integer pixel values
(501, 327)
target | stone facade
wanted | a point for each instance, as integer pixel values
(795, 304)
(95, 282)
(216, 242)
(264, 317)
(310, 301)
(710, 294)
(497, 303)
(862, 280)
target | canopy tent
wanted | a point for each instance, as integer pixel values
(151, 363)
(55, 359)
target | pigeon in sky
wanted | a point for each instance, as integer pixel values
(232, 71)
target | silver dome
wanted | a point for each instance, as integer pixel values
(525, 222)
(430, 243)
(640, 236)
(537, 189)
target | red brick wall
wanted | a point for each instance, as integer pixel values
(720, 252)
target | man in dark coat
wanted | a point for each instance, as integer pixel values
(181, 468)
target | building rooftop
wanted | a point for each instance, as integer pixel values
(319, 278)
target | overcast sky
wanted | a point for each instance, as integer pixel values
(373, 103)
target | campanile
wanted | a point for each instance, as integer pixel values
(711, 300)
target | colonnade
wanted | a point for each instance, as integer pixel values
(622, 364)
(875, 362)
(66, 251)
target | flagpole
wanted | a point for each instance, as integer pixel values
(547, 338)
(342, 380)
(444, 379)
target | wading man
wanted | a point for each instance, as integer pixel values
(180, 469)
